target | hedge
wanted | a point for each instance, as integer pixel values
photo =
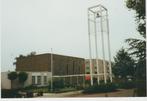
(101, 88)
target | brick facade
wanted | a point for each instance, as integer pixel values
(62, 65)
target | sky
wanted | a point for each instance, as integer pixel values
(39, 25)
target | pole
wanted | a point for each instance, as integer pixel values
(71, 80)
(90, 57)
(77, 81)
(51, 71)
(109, 50)
(101, 23)
(84, 81)
(97, 62)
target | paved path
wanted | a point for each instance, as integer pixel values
(119, 93)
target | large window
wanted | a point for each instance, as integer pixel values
(33, 80)
(39, 80)
(67, 69)
(45, 80)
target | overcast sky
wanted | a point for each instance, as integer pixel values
(39, 25)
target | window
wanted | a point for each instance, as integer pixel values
(39, 80)
(73, 67)
(87, 67)
(45, 79)
(33, 80)
(67, 69)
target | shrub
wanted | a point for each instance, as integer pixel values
(12, 76)
(141, 88)
(29, 87)
(57, 84)
(79, 87)
(126, 85)
(64, 90)
(9, 93)
(35, 89)
(100, 88)
(29, 94)
(22, 77)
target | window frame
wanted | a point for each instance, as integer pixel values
(38, 80)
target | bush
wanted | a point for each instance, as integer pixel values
(126, 85)
(35, 89)
(22, 77)
(29, 87)
(62, 90)
(29, 94)
(141, 88)
(9, 93)
(79, 87)
(57, 84)
(100, 88)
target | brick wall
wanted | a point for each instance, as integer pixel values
(62, 65)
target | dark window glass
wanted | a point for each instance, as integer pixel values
(33, 80)
(38, 80)
(45, 79)
(67, 69)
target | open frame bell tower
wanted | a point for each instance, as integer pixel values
(98, 31)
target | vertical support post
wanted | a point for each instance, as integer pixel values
(83, 80)
(104, 65)
(109, 50)
(96, 50)
(70, 80)
(90, 56)
(51, 71)
(35, 79)
(64, 80)
(42, 78)
(77, 81)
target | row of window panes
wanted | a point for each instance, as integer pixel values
(39, 80)
(95, 67)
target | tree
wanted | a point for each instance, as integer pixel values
(123, 65)
(32, 53)
(138, 46)
(22, 77)
(12, 76)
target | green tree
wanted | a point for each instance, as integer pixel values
(138, 46)
(123, 65)
(22, 77)
(12, 76)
